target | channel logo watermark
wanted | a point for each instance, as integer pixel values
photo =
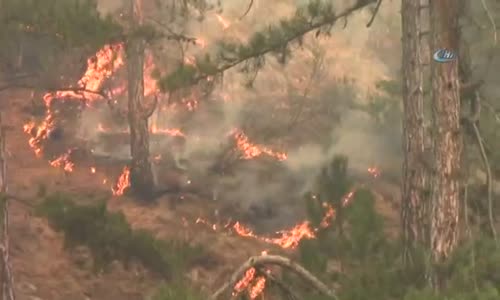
(444, 55)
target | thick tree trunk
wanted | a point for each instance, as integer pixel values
(447, 135)
(141, 175)
(414, 194)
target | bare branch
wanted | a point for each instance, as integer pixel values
(260, 261)
(489, 181)
(248, 9)
(469, 87)
(374, 14)
(52, 89)
(494, 111)
(172, 35)
(492, 21)
(279, 283)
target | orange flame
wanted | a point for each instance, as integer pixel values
(63, 162)
(258, 288)
(225, 24)
(167, 131)
(99, 68)
(250, 150)
(289, 239)
(123, 182)
(244, 282)
(374, 171)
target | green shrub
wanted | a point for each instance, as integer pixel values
(109, 237)
(178, 291)
(372, 267)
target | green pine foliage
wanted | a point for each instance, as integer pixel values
(178, 291)
(371, 265)
(317, 15)
(73, 23)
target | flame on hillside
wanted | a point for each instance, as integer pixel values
(100, 67)
(123, 182)
(250, 150)
(288, 239)
(224, 23)
(63, 162)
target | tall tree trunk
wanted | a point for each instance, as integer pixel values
(6, 280)
(414, 196)
(141, 175)
(447, 136)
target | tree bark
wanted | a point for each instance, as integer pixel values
(141, 175)
(6, 281)
(447, 136)
(415, 197)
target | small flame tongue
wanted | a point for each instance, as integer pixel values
(64, 162)
(250, 150)
(123, 182)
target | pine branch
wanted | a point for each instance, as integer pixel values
(276, 39)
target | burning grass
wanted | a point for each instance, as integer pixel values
(109, 237)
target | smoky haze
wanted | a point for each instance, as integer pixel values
(312, 108)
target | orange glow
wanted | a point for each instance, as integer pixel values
(225, 24)
(251, 150)
(123, 183)
(99, 68)
(63, 162)
(374, 171)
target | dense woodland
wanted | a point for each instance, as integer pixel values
(444, 118)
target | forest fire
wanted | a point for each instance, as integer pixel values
(289, 239)
(123, 183)
(63, 162)
(39, 133)
(100, 67)
(225, 24)
(374, 171)
(250, 150)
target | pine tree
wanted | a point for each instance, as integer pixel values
(414, 197)
(52, 27)
(447, 137)
(141, 174)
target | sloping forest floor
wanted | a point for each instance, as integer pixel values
(43, 268)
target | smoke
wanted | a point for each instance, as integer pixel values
(317, 96)
(109, 7)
